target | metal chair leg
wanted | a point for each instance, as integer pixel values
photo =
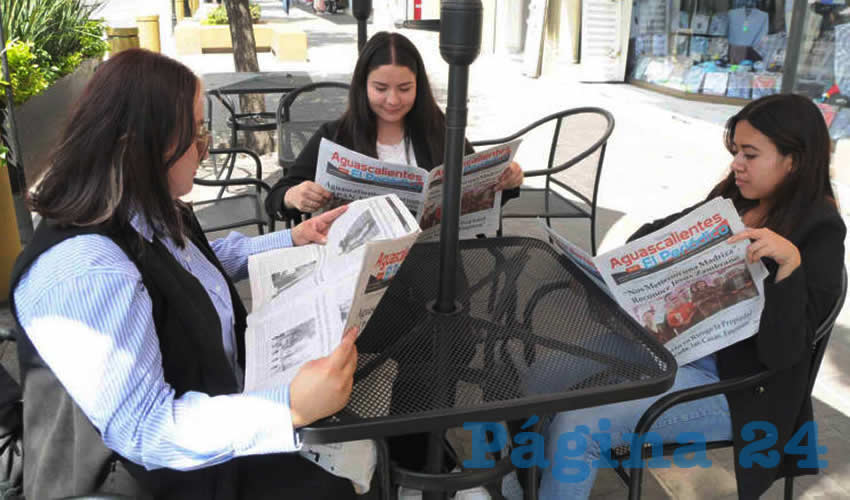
(593, 233)
(385, 483)
(532, 488)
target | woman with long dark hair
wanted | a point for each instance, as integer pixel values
(779, 183)
(392, 116)
(132, 335)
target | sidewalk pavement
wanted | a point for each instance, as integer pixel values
(665, 154)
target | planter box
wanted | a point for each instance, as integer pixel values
(40, 119)
(286, 43)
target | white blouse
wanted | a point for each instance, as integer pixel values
(394, 153)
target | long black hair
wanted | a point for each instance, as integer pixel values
(796, 127)
(133, 121)
(425, 119)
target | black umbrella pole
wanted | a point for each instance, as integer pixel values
(453, 169)
(361, 35)
(460, 42)
(361, 10)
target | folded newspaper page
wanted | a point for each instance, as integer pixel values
(354, 460)
(305, 298)
(689, 288)
(351, 176)
(580, 258)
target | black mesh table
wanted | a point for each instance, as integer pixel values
(223, 85)
(526, 317)
(220, 85)
(272, 82)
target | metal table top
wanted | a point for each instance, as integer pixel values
(532, 336)
(255, 83)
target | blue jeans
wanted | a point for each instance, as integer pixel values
(709, 416)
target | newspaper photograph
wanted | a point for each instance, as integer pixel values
(685, 284)
(278, 342)
(480, 202)
(332, 286)
(349, 175)
(690, 289)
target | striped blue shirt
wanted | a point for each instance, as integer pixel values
(90, 318)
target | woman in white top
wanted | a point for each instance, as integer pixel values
(391, 116)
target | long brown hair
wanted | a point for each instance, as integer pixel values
(796, 127)
(134, 120)
(425, 119)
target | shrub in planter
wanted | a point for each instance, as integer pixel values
(219, 15)
(28, 77)
(48, 39)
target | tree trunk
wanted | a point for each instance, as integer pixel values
(245, 59)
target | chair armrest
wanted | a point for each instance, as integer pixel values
(98, 496)
(245, 151)
(228, 105)
(7, 335)
(674, 398)
(244, 181)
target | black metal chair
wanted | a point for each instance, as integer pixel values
(243, 208)
(237, 122)
(649, 417)
(577, 135)
(301, 112)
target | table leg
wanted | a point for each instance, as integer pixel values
(434, 464)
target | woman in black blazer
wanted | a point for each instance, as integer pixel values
(779, 183)
(392, 115)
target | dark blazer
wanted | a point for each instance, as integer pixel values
(304, 168)
(793, 310)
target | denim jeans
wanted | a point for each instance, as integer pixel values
(709, 416)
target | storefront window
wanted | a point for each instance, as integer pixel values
(823, 71)
(731, 48)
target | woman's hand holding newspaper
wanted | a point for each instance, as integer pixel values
(322, 386)
(315, 229)
(307, 197)
(512, 177)
(766, 243)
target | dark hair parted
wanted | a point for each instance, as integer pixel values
(133, 121)
(796, 127)
(425, 119)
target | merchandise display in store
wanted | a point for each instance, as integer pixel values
(700, 23)
(765, 84)
(740, 85)
(828, 111)
(717, 36)
(738, 49)
(840, 128)
(719, 24)
(682, 45)
(715, 83)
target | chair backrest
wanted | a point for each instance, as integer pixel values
(824, 331)
(301, 112)
(576, 139)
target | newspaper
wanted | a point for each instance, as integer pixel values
(689, 288)
(349, 175)
(305, 298)
(580, 258)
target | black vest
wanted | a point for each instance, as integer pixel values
(64, 453)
